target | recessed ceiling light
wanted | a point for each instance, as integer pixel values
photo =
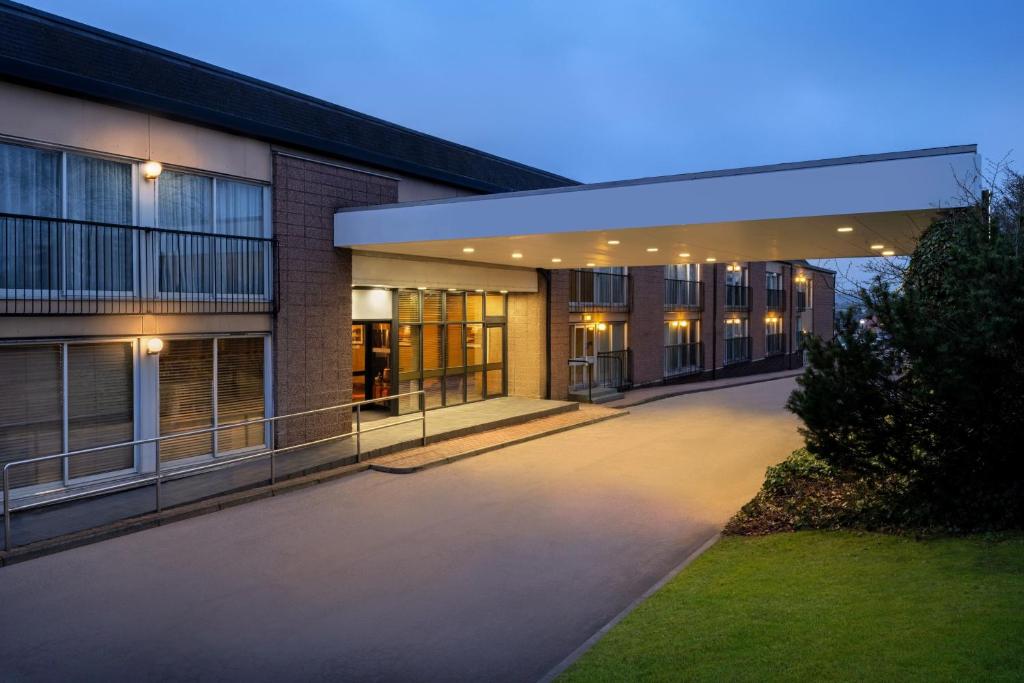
(468, 250)
(479, 291)
(710, 259)
(421, 288)
(684, 254)
(845, 228)
(613, 242)
(591, 265)
(516, 254)
(878, 247)
(452, 289)
(556, 260)
(888, 252)
(652, 249)
(504, 291)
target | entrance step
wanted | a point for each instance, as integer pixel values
(599, 395)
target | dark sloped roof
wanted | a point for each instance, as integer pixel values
(52, 52)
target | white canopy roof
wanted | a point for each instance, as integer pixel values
(841, 207)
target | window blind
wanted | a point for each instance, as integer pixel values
(100, 406)
(186, 397)
(239, 391)
(31, 423)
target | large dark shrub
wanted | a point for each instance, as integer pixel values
(935, 391)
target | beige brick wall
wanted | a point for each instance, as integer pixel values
(559, 334)
(527, 343)
(312, 329)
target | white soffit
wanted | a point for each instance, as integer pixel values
(785, 211)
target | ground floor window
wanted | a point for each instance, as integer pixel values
(682, 347)
(737, 340)
(64, 397)
(450, 344)
(208, 382)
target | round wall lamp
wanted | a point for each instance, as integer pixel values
(151, 170)
(154, 345)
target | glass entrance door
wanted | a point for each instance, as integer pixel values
(371, 362)
(583, 348)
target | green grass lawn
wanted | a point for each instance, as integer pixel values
(828, 606)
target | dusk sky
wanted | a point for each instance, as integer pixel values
(609, 90)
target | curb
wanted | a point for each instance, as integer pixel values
(398, 469)
(684, 392)
(560, 668)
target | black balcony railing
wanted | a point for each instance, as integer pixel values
(612, 369)
(51, 266)
(683, 295)
(775, 299)
(737, 297)
(802, 303)
(774, 344)
(737, 350)
(683, 359)
(592, 291)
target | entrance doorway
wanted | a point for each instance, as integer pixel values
(371, 363)
(594, 342)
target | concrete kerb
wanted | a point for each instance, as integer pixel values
(398, 469)
(693, 389)
(561, 667)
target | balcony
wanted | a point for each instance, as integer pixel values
(683, 359)
(775, 299)
(51, 266)
(683, 295)
(737, 350)
(774, 344)
(737, 298)
(590, 291)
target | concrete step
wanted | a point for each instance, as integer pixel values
(598, 396)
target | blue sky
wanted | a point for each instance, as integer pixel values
(606, 90)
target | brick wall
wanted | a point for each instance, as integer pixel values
(558, 334)
(527, 342)
(823, 303)
(647, 324)
(758, 302)
(312, 329)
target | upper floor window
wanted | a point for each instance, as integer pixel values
(683, 271)
(773, 280)
(54, 184)
(198, 203)
(735, 275)
(802, 287)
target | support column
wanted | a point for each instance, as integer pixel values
(647, 324)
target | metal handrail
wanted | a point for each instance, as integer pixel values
(160, 475)
(590, 375)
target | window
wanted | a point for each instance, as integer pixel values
(682, 347)
(225, 262)
(210, 382)
(802, 286)
(450, 344)
(52, 255)
(773, 336)
(71, 396)
(737, 341)
(683, 271)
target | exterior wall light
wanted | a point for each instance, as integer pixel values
(587, 318)
(800, 278)
(733, 321)
(154, 345)
(684, 323)
(771, 319)
(674, 323)
(151, 170)
(602, 327)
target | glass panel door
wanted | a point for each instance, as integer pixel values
(495, 360)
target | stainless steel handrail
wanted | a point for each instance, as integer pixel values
(159, 474)
(590, 375)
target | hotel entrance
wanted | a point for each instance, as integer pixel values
(452, 344)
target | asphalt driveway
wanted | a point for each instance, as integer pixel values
(493, 568)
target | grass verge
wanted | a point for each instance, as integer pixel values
(828, 606)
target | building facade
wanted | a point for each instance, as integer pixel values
(169, 262)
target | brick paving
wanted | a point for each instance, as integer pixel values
(450, 450)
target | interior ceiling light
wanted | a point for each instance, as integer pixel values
(613, 242)
(845, 228)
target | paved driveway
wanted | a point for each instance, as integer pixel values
(494, 568)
